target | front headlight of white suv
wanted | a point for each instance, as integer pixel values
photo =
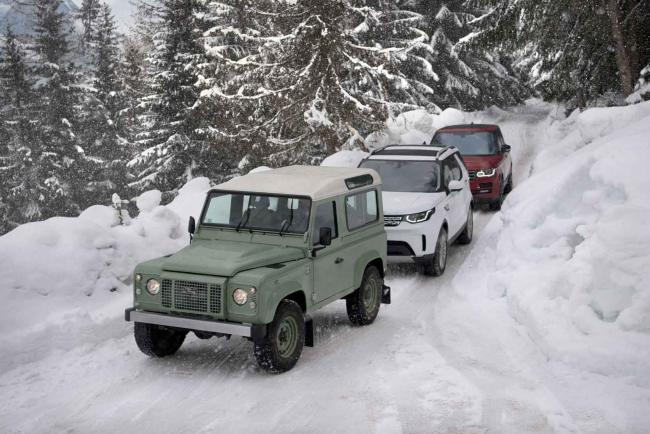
(486, 173)
(420, 216)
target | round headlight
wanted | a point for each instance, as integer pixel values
(240, 296)
(153, 286)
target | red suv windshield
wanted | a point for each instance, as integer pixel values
(468, 142)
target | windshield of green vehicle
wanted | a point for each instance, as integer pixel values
(257, 212)
(468, 143)
(407, 176)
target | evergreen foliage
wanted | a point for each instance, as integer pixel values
(320, 77)
(570, 50)
(172, 154)
(217, 87)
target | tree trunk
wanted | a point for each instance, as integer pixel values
(623, 58)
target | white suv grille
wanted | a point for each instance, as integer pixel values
(392, 220)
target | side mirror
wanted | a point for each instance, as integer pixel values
(191, 226)
(455, 185)
(506, 148)
(325, 236)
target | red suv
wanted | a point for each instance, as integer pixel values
(486, 156)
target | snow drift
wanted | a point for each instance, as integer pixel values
(574, 248)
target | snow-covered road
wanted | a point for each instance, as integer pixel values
(447, 356)
(388, 377)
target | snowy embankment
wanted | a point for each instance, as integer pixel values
(65, 277)
(542, 324)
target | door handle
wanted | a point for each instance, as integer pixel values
(446, 207)
(338, 260)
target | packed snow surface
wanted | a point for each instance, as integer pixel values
(542, 324)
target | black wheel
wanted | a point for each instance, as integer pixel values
(508, 188)
(202, 335)
(363, 304)
(285, 337)
(436, 266)
(157, 341)
(495, 205)
(467, 234)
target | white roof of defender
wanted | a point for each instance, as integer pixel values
(316, 182)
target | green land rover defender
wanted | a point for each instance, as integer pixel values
(269, 249)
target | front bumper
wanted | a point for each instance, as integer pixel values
(407, 243)
(485, 189)
(256, 332)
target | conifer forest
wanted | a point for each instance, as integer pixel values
(90, 109)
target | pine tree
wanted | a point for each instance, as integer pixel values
(16, 96)
(107, 80)
(172, 153)
(330, 74)
(570, 50)
(89, 12)
(14, 73)
(103, 130)
(464, 78)
(60, 163)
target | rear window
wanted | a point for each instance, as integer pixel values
(468, 142)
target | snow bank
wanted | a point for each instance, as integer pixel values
(74, 256)
(415, 127)
(344, 159)
(574, 248)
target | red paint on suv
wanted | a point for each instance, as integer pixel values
(486, 156)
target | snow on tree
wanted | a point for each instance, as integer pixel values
(467, 79)
(171, 153)
(88, 12)
(570, 50)
(325, 76)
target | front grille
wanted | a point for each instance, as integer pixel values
(166, 293)
(472, 174)
(191, 296)
(215, 298)
(392, 220)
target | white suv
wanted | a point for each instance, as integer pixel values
(427, 202)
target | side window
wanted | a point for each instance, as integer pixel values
(456, 173)
(361, 209)
(500, 142)
(325, 218)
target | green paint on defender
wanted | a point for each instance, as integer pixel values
(269, 249)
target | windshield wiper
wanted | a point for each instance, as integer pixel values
(287, 224)
(244, 220)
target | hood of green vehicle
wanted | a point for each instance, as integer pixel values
(227, 258)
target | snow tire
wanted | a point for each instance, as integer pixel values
(282, 346)
(363, 304)
(467, 234)
(436, 266)
(156, 341)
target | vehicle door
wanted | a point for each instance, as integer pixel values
(361, 216)
(455, 199)
(329, 262)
